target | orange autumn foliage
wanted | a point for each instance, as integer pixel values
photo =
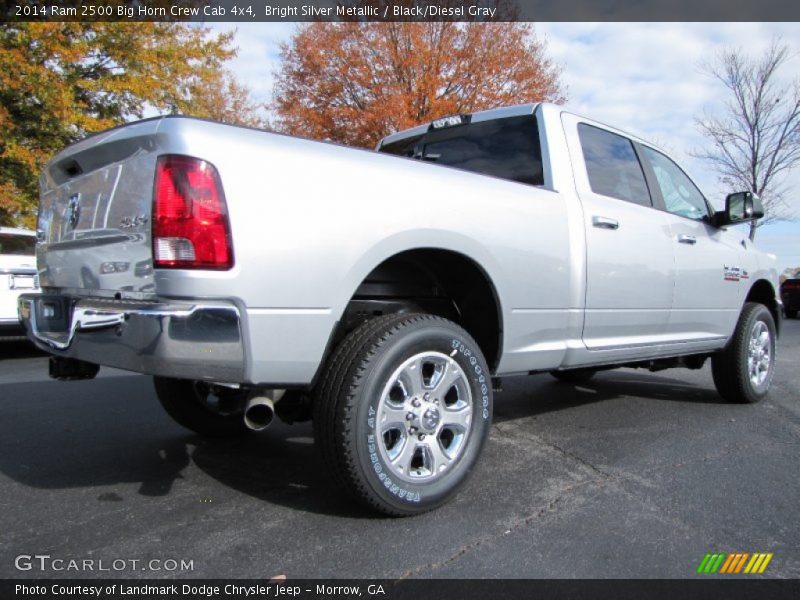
(60, 81)
(354, 83)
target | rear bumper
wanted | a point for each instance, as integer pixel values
(187, 340)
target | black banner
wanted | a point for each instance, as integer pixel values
(734, 588)
(246, 11)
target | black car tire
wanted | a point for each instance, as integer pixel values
(352, 402)
(737, 370)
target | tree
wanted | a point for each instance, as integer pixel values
(356, 82)
(756, 138)
(61, 81)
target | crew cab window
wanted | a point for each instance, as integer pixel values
(612, 165)
(508, 148)
(681, 196)
(24, 245)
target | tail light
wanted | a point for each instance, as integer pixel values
(190, 217)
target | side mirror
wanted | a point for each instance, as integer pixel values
(740, 207)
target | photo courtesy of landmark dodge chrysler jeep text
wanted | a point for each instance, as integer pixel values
(381, 294)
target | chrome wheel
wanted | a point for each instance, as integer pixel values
(759, 354)
(403, 411)
(424, 417)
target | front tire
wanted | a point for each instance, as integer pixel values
(743, 371)
(201, 407)
(403, 411)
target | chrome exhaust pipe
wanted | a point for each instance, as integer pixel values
(260, 409)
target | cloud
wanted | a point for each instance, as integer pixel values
(641, 77)
(258, 47)
(646, 78)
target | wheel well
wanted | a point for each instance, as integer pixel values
(763, 293)
(435, 281)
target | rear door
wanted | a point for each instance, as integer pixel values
(630, 254)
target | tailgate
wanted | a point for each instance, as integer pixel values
(94, 213)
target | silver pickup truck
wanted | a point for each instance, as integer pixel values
(383, 294)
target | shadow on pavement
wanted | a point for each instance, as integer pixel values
(279, 466)
(524, 398)
(95, 434)
(19, 349)
(56, 435)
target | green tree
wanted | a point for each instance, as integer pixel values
(62, 81)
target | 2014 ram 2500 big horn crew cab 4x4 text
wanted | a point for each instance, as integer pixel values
(380, 293)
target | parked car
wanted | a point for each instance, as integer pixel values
(384, 293)
(17, 275)
(790, 295)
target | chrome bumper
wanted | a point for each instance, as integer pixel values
(173, 339)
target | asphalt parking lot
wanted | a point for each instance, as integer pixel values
(634, 474)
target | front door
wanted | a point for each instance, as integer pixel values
(711, 279)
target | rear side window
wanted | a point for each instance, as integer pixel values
(612, 165)
(24, 245)
(508, 148)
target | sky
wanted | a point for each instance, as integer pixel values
(645, 78)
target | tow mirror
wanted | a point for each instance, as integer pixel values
(740, 207)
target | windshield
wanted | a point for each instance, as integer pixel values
(11, 243)
(507, 148)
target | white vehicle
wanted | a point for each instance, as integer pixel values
(17, 275)
(382, 293)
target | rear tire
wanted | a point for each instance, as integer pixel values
(201, 407)
(743, 371)
(791, 314)
(403, 411)
(574, 375)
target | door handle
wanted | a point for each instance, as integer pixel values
(605, 223)
(687, 239)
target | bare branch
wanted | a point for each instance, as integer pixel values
(755, 141)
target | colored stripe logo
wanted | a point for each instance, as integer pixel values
(734, 563)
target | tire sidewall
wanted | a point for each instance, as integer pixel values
(759, 314)
(402, 495)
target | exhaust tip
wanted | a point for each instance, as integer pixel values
(259, 413)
